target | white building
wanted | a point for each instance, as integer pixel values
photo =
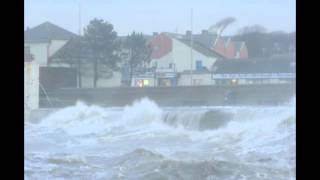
(45, 40)
(179, 55)
(199, 78)
(176, 53)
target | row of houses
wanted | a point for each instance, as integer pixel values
(207, 59)
(176, 60)
(275, 70)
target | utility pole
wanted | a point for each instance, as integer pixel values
(24, 17)
(80, 18)
(79, 58)
(191, 47)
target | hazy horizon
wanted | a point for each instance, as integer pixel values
(162, 16)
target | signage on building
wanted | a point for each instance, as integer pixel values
(255, 76)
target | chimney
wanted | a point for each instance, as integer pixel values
(155, 33)
(204, 32)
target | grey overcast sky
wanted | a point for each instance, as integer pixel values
(149, 16)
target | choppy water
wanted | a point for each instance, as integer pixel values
(144, 141)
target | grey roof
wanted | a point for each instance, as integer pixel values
(206, 40)
(256, 65)
(200, 48)
(47, 31)
(73, 50)
(69, 51)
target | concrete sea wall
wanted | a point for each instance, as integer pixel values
(263, 94)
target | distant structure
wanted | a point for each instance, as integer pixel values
(31, 83)
(170, 59)
(45, 40)
(215, 60)
(272, 70)
(223, 45)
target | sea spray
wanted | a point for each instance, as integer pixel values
(142, 140)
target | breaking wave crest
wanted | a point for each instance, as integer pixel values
(93, 119)
(144, 141)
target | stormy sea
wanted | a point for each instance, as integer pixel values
(143, 141)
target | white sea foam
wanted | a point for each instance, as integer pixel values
(259, 138)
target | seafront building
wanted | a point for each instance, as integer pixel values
(188, 59)
(272, 70)
(178, 60)
(45, 40)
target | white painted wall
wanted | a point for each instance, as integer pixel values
(182, 57)
(197, 79)
(31, 87)
(55, 45)
(39, 52)
(162, 62)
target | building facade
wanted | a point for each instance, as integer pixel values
(273, 70)
(45, 40)
(173, 56)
